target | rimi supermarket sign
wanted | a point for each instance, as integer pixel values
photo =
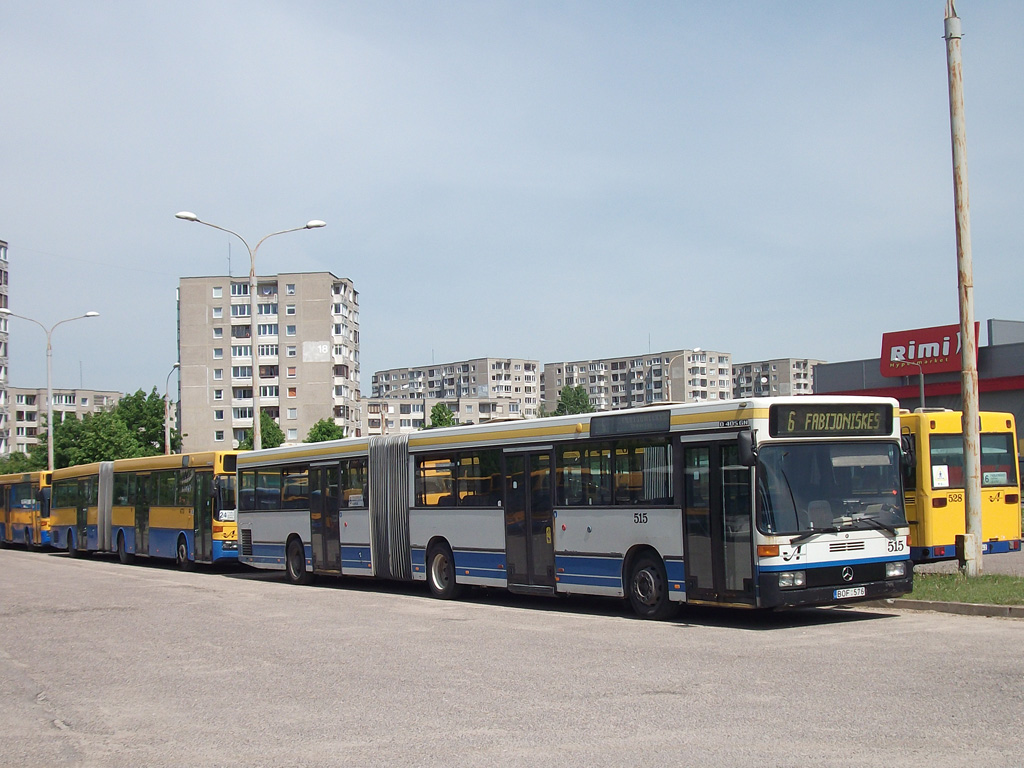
(935, 350)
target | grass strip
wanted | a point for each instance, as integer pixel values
(990, 589)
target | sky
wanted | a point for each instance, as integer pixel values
(508, 178)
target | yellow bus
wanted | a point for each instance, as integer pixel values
(934, 483)
(180, 507)
(25, 513)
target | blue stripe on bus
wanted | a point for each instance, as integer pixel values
(805, 566)
(589, 570)
(1000, 547)
(482, 565)
(219, 553)
(358, 556)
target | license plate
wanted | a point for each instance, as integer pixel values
(849, 592)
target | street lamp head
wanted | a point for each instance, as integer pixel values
(314, 224)
(5, 311)
(186, 215)
(91, 313)
(176, 365)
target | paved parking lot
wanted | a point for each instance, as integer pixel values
(110, 665)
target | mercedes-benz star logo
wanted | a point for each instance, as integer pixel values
(847, 573)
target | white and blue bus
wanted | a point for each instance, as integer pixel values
(757, 503)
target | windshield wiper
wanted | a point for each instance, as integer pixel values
(876, 524)
(810, 535)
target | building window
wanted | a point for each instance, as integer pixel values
(218, 394)
(292, 351)
(291, 372)
(218, 436)
(218, 374)
(241, 413)
(239, 289)
(289, 309)
(218, 353)
(218, 333)
(218, 292)
(241, 372)
(267, 329)
(240, 310)
(293, 391)
(293, 435)
(218, 313)
(218, 415)
(293, 413)
(289, 330)
(290, 289)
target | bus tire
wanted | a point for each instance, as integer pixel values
(28, 540)
(441, 573)
(648, 588)
(73, 550)
(122, 553)
(295, 562)
(181, 555)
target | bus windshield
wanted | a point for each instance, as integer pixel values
(998, 461)
(828, 487)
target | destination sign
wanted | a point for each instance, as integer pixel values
(644, 422)
(830, 420)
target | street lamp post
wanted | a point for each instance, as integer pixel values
(668, 369)
(920, 378)
(49, 372)
(257, 434)
(167, 409)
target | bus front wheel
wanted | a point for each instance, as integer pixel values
(122, 552)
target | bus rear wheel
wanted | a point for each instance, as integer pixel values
(295, 563)
(441, 573)
(648, 588)
(181, 555)
(122, 552)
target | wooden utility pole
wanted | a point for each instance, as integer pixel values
(969, 546)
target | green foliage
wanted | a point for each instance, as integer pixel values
(17, 462)
(324, 430)
(144, 416)
(573, 400)
(271, 435)
(441, 416)
(988, 589)
(134, 427)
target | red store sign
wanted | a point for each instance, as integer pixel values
(931, 350)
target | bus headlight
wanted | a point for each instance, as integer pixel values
(895, 570)
(792, 579)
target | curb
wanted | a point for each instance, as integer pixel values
(964, 609)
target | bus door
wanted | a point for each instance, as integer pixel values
(717, 520)
(324, 525)
(143, 485)
(529, 525)
(85, 495)
(202, 519)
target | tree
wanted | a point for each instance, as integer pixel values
(441, 416)
(271, 435)
(16, 462)
(573, 400)
(144, 416)
(324, 430)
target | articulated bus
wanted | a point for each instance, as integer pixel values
(934, 483)
(758, 503)
(25, 513)
(179, 507)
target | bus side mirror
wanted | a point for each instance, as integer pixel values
(748, 448)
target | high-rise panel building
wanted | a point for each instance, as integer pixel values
(28, 410)
(306, 347)
(774, 378)
(476, 391)
(614, 383)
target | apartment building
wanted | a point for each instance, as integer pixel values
(5, 420)
(774, 378)
(306, 349)
(476, 391)
(615, 383)
(28, 410)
